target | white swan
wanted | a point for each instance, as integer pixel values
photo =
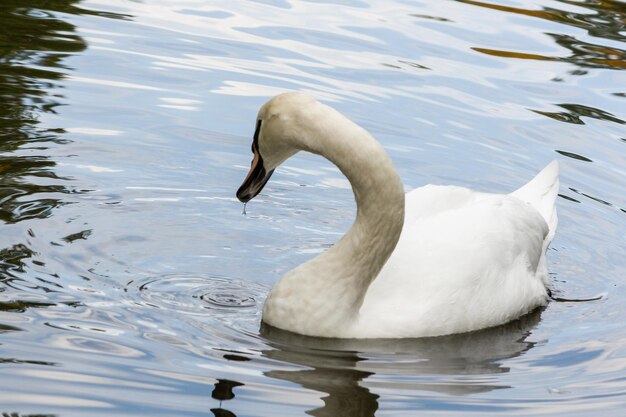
(464, 260)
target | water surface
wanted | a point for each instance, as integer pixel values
(130, 282)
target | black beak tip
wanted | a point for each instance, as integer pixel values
(243, 196)
(253, 185)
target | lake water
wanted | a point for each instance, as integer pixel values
(131, 284)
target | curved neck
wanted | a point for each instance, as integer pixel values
(379, 196)
(330, 288)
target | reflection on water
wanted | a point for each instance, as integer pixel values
(607, 22)
(340, 368)
(220, 412)
(223, 392)
(34, 46)
(130, 283)
(591, 112)
(576, 111)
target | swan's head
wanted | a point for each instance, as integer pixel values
(281, 129)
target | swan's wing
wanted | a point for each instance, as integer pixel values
(467, 232)
(464, 261)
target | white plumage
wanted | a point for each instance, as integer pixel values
(440, 260)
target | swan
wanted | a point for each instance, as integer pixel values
(439, 260)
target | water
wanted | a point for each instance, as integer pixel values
(131, 284)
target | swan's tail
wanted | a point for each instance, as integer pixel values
(541, 192)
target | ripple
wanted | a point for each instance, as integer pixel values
(228, 300)
(196, 294)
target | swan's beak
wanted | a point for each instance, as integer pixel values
(255, 180)
(257, 176)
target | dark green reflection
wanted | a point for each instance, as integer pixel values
(603, 19)
(33, 43)
(575, 112)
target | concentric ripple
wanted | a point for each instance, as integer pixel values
(196, 294)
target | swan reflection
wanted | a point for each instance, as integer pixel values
(342, 368)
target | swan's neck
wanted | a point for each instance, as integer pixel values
(324, 295)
